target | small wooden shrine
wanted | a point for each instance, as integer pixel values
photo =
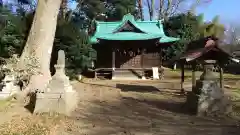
(129, 44)
(201, 50)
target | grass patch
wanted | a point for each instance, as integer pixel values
(43, 124)
(235, 94)
(188, 74)
(4, 103)
(231, 76)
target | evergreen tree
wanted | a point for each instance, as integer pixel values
(213, 28)
(184, 26)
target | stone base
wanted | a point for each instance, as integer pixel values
(71, 100)
(63, 103)
(50, 102)
(192, 102)
(208, 99)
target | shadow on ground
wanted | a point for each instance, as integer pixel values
(137, 116)
(175, 107)
(136, 88)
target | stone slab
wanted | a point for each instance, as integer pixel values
(50, 95)
(50, 105)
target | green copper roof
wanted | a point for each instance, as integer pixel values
(128, 36)
(146, 30)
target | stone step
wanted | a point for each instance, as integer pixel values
(127, 74)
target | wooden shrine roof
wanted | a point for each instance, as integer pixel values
(205, 48)
(129, 29)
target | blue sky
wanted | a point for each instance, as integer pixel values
(228, 10)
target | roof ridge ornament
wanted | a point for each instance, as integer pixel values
(129, 17)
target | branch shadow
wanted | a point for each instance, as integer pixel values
(134, 117)
(175, 107)
(137, 115)
(136, 88)
(135, 73)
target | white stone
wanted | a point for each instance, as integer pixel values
(155, 73)
(10, 88)
(175, 66)
(79, 77)
(8, 81)
(143, 78)
(8, 78)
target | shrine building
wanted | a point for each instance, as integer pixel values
(129, 49)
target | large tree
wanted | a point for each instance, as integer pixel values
(163, 9)
(106, 9)
(140, 9)
(40, 41)
(185, 26)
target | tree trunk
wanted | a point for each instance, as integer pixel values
(39, 45)
(140, 8)
(161, 9)
(63, 9)
(41, 37)
(1, 3)
(150, 4)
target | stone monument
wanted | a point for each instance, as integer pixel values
(59, 95)
(208, 98)
(9, 87)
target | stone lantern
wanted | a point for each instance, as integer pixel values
(208, 97)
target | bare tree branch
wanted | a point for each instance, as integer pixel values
(166, 8)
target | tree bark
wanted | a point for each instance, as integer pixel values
(39, 45)
(41, 36)
(63, 9)
(150, 4)
(140, 8)
(161, 10)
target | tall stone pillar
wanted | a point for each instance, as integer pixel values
(59, 96)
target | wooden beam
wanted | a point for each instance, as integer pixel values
(160, 54)
(113, 57)
(193, 76)
(182, 77)
(221, 77)
(142, 55)
(141, 62)
(113, 61)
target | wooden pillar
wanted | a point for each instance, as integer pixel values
(182, 77)
(113, 61)
(161, 63)
(221, 77)
(142, 55)
(193, 76)
(113, 58)
(160, 54)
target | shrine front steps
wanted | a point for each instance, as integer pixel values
(127, 74)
